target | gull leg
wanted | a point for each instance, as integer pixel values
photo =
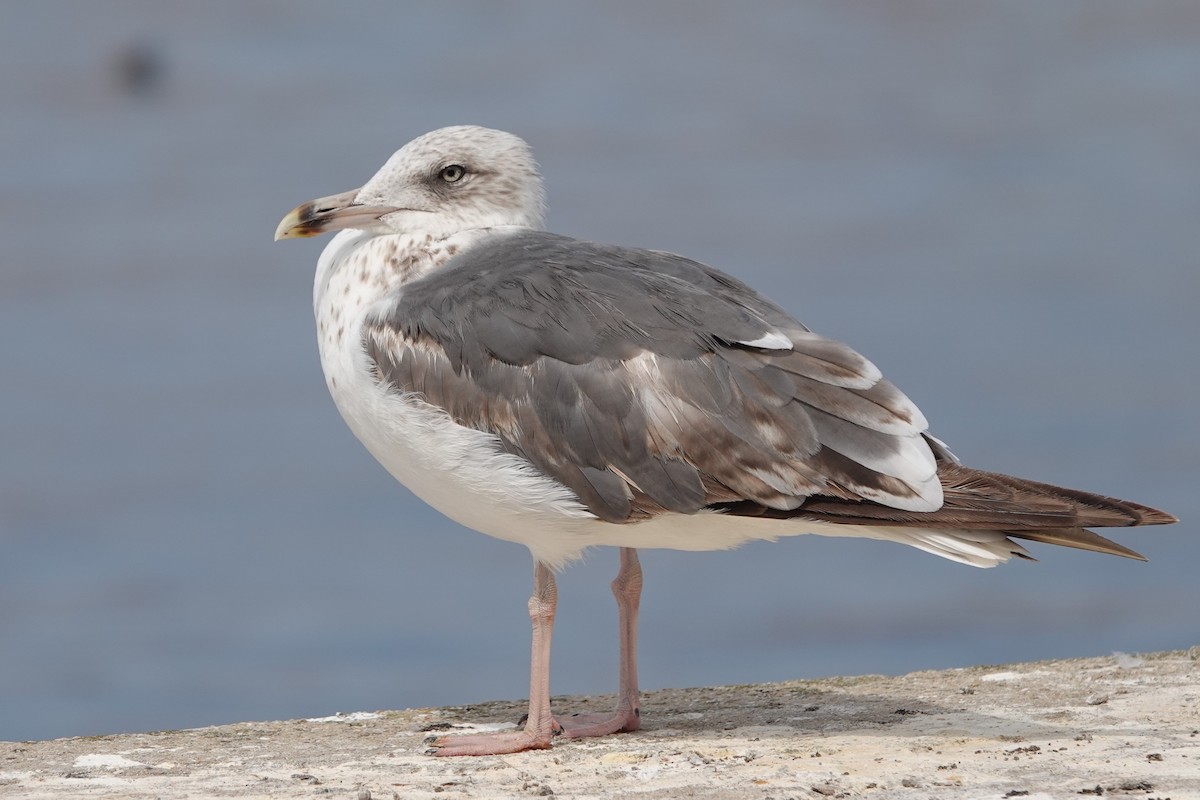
(540, 726)
(627, 589)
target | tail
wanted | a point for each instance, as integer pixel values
(981, 515)
(1083, 510)
(979, 502)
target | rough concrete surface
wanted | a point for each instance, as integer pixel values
(1121, 726)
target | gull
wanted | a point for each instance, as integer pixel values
(563, 395)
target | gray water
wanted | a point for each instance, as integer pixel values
(999, 203)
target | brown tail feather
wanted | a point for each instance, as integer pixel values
(979, 500)
(968, 488)
(1080, 539)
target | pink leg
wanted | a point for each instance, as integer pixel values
(627, 589)
(540, 725)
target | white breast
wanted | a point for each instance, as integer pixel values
(462, 472)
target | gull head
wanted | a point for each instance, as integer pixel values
(447, 181)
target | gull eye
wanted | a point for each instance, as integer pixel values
(452, 173)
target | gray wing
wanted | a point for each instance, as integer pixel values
(647, 382)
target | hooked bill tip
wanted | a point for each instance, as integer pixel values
(297, 224)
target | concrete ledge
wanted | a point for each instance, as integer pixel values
(1120, 726)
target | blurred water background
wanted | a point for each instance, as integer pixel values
(999, 203)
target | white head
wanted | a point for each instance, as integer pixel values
(447, 181)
